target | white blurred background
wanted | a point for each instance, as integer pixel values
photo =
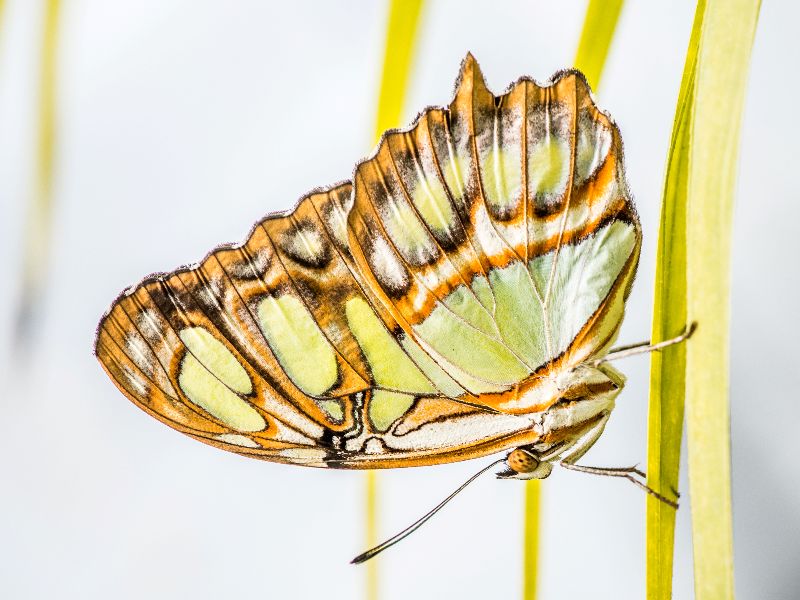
(180, 123)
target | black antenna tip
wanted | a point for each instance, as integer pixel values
(372, 552)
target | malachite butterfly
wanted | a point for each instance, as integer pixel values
(455, 300)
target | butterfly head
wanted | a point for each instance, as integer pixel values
(524, 463)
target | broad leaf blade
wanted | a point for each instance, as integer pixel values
(723, 57)
(692, 283)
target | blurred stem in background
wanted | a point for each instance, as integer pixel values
(692, 284)
(598, 31)
(39, 219)
(401, 33)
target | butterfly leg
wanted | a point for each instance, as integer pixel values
(646, 347)
(624, 472)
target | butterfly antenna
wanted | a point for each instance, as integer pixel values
(417, 524)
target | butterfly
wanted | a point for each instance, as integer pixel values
(458, 298)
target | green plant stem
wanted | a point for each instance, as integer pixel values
(530, 565)
(668, 367)
(401, 32)
(598, 31)
(595, 41)
(36, 243)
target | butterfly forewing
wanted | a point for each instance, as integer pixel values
(496, 231)
(420, 315)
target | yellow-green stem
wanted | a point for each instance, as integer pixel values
(401, 31)
(668, 367)
(530, 564)
(598, 31)
(371, 530)
(37, 235)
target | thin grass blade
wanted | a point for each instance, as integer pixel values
(401, 33)
(668, 367)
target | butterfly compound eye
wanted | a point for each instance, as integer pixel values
(522, 461)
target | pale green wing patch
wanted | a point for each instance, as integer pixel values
(302, 349)
(204, 389)
(438, 376)
(465, 304)
(215, 357)
(549, 166)
(583, 278)
(333, 408)
(483, 292)
(519, 313)
(430, 199)
(469, 349)
(391, 366)
(386, 406)
(502, 179)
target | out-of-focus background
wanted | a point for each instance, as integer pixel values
(179, 124)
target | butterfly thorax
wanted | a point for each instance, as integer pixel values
(572, 423)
